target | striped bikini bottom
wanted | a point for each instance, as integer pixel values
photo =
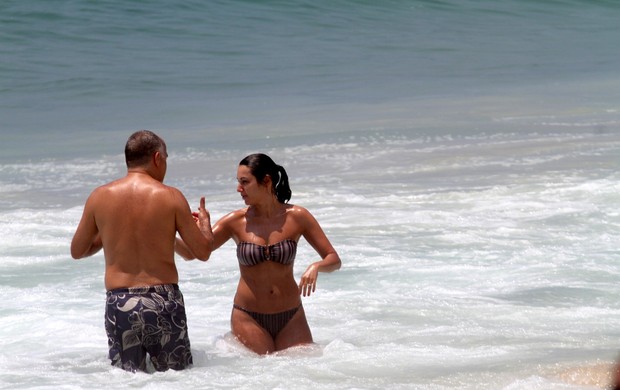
(272, 322)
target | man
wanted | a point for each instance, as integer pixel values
(135, 220)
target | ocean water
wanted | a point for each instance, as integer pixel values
(462, 156)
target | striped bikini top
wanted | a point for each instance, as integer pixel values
(282, 252)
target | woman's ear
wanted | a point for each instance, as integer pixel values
(267, 180)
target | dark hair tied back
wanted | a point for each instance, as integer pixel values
(282, 188)
(262, 165)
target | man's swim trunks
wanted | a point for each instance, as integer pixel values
(141, 320)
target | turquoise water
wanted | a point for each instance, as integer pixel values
(463, 157)
(71, 69)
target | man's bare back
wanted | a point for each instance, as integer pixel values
(135, 220)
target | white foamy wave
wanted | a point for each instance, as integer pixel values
(462, 267)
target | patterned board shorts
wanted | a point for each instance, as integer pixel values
(141, 320)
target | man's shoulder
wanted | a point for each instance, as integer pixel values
(105, 188)
(127, 186)
(175, 192)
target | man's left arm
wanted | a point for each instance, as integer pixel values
(86, 240)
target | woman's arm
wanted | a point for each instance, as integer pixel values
(330, 261)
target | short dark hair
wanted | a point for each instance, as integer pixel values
(262, 165)
(140, 147)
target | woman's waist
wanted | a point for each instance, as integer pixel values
(267, 299)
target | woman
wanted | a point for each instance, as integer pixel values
(267, 313)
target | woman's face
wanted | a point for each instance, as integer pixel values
(248, 187)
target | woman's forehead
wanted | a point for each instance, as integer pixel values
(244, 171)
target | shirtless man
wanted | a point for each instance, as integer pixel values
(135, 220)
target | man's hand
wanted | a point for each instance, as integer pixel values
(203, 220)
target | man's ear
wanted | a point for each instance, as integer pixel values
(157, 158)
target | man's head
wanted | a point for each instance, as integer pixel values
(141, 146)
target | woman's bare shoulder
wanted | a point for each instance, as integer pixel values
(296, 209)
(299, 212)
(233, 216)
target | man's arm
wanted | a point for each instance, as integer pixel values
(221, 233)
(86, 240)
(196, 236)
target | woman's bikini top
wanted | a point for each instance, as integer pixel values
(282, 252)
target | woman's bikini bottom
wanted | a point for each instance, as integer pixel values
(273, 322)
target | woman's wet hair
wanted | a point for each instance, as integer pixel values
(260, 166)
(140, 147)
